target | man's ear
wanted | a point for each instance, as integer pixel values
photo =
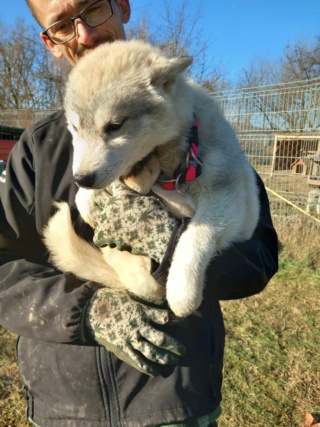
(54, 48)
(125, 10)
(166, 73)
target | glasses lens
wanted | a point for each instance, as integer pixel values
(97, 13)
(62, 31)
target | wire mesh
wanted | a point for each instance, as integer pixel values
(279, 130)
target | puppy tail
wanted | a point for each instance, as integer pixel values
(71, 254)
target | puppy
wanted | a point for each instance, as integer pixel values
(128, 104)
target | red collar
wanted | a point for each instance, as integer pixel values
(187, 174)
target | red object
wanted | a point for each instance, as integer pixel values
(168, 185)
(5, 148)
(191, 173)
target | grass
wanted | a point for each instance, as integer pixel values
(11, 390)
(272, 359)
(272, 352)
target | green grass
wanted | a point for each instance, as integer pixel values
(272, 359)
(11, 389)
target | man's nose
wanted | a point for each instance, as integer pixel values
(85, 34)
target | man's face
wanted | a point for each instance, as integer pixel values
(51, 11)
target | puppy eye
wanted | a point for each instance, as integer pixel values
(74, 128)
(113, 127)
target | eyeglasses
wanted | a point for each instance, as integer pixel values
(93, 15)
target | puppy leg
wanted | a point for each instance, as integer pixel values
(219, 220)
(84, 202)
(187, 272)
(134, 272)
(72, 254)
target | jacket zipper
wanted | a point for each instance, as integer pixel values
(109, 383)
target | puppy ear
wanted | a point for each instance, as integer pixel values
(165, 73)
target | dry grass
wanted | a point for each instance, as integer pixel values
(272, 361)
(11, 391)
(272, 353)
(299, 240)
(272, 364)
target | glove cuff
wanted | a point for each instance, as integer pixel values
(160, 271)
(87, 334)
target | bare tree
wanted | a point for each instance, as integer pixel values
(301, 61)
(278, 88)
(18, 55)
(53, 72)
(217, 81)
(29, 75)
(261, 72)
(298, 61)
(178, 32)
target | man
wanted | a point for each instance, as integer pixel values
(149, 370)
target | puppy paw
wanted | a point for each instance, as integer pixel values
(181, 309)
(184, 296)
(142, 181)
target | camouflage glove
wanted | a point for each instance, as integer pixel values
(125, 327)
(125, 219)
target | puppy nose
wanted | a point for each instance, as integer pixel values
(85, 181)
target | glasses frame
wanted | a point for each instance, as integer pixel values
(79, 16)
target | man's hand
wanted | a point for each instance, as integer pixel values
(126, 327)
(125, 219)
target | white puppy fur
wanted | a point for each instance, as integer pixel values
(124, 101)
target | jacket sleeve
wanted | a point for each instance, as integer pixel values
(245, 268)
(36, 300)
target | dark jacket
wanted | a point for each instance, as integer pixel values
(69, 380)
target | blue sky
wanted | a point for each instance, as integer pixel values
(239, 31)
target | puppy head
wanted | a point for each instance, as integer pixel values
(122, 101)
